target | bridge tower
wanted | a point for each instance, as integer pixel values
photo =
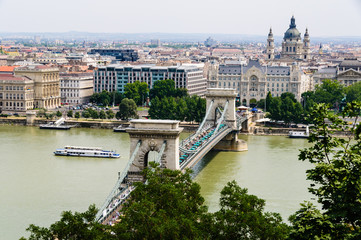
(154, 135)
(217, 98)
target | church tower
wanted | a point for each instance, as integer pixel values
(306, 46)
(270, 46)
(292, 46)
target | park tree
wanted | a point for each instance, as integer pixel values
(74, 226)
(86, 113)
(169, 206)
(77, 115)
(69, 113)
(329, 92)
(166, 88)
(242, 216)
(336, 175)
(127, 109)
(58, 113)
(102, 115)
(138, 91)
(353, 92)
(110, 114)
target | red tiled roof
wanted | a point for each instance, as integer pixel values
(7, 68)
(10, 77)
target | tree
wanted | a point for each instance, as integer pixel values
(127, 109)
(58, 113)
(102, 115)
(353, 92)
(72, 226)
(77, 115)
(169, 206)
(110, 114)
(329, 92)
(69, 113)
(86, 113)
(138, 91)
(166, 88)
(336, 175)
(242, 217)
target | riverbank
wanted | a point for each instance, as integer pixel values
(84, 123)
(187, 127)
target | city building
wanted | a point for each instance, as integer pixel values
(349, 71)
(46, 84)
(76, 88)
(115, 77)
(128, 55)
(346, 72)
(253, 81)
(293, 48)
(16, 93)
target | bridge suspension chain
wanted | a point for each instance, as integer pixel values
(222, 118)
(205, 118)
(116, 189)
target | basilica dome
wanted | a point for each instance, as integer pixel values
(292, 32)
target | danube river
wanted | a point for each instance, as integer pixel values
(36, 186)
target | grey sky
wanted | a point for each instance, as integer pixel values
(322, 17)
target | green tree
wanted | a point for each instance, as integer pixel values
(102, 115)
(104, 98)
(336, 175)
(169, 206)
(138, 91)
(329, 92)
(242, 216)
(85, 114)
(77, 115)
(72, 226)
(127, 109)
(166, 88)
(110, 114)
(353, 92)
(58, 113)
(69, 113)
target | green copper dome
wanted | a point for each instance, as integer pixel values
(292, 32)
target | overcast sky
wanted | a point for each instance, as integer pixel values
(322, 17)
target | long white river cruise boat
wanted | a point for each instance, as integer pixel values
(85, 152)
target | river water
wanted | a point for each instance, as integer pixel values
(36, 186)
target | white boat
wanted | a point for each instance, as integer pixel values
(299, 134)
(85, 152)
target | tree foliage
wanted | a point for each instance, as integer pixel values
(182, 109)
(75, 226)
(127, 109)
(138, 91)
(242, 216)
(105, 98)
(166, 88)
(285, 108)
(336, 175)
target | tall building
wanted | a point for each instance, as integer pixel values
(115, 77)
(46, 84)
(293, 48)
(76, 88)
(252, 82)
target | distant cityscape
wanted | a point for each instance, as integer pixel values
(48, 70)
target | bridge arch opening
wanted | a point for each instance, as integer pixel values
(150, 156)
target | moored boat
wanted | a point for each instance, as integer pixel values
(76, 151)
(299, 134)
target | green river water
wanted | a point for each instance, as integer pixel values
(36, 186)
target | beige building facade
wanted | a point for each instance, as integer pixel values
(16, 93)
(252, 82)
(46, 84)
(76, 88)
